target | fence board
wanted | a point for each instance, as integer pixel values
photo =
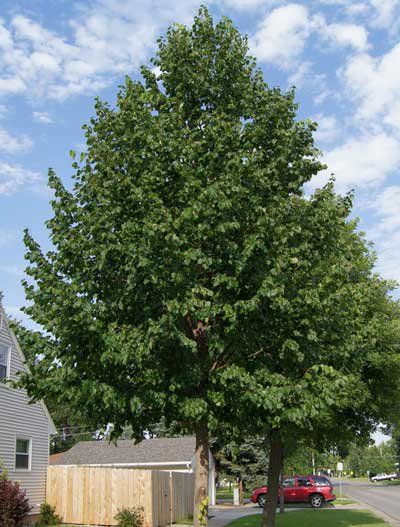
(93, 495)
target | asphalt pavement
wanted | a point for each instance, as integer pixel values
(383, 498)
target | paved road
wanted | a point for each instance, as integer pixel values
(382, 497)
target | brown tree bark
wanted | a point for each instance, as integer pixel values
(274, 469)
(201, 472)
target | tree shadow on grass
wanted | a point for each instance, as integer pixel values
(329, 518)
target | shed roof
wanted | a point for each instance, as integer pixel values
(161, 450)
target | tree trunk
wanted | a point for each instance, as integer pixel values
(281, 494)
(274, 469)
(201, 475)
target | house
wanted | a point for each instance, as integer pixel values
(167, 453)
(24, 428)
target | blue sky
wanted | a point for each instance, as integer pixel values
(56, 55)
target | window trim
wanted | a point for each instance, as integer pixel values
(8, 365)
(23, 438)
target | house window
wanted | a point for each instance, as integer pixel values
(23, 454)
(4, 353)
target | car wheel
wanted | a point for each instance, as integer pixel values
(261, 500)
(316, 501)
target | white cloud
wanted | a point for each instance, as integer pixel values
(374, 83)
(15, 177)
(386, 231)
(282, 35)
(357, 8)
(385, 11)
(109, 38)
(352, 35)
(241, 5)
(360, 162)
(42, 117)
(10, 144)
(387, 207)
(328, 128)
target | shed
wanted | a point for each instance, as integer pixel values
(167, 453)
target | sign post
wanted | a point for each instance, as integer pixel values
(236, 498)
(340, 470)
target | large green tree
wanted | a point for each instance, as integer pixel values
(328, 364)
(164, 246)
(190, 280)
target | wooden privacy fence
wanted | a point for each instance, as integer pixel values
(93, 495)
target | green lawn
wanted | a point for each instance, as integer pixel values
(314, 518)
(344, 501)
(395, 482)
(224, 493)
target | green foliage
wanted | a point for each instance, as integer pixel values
(173, 248)
(74, 425)
(203, 511)
(364, 460)
(247, 459)
(48, 516)
(130, 517)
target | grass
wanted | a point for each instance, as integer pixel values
(314, 518)
(363, 479)
(344, 501)
(185, 521)
(223, 493)
(392, 483)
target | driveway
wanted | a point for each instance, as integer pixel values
(383, 498)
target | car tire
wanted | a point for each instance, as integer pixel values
(316, 501)
(261, 500)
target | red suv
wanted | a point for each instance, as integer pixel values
(315, 490)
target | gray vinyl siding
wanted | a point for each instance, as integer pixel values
(25, 421)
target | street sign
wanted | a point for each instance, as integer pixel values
(340, 467)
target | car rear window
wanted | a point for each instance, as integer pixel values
(320, 481)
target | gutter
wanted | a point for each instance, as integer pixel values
(186, 464)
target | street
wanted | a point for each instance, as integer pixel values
(385, 498)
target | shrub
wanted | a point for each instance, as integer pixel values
(130, 517)
(14, 505)
(48, 516)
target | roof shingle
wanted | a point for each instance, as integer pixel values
(160, 450)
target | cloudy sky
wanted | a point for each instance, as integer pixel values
(56, 55)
